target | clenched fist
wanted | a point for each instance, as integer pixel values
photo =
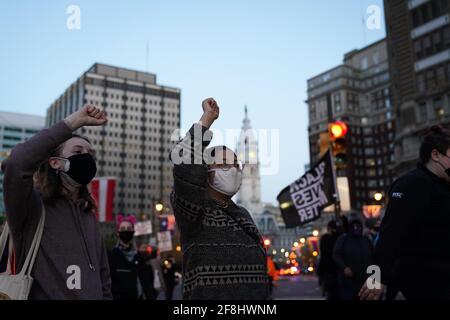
(88, 115)
(211, 112)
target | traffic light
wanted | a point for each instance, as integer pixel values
(163, 224)
(337, 132)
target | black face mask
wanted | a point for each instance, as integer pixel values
(82, 168)
(356, 230)
(126, 236)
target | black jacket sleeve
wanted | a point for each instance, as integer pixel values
(408, 198)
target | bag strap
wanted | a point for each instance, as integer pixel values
(34, 248)
(3, 239)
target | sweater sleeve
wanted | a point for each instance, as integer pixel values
(190, 172)
(18, 170)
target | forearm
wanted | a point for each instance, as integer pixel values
(28, 155)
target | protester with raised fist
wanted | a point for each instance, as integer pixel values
(71, 262)
(223, 253)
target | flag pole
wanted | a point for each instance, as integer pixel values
(337, 204)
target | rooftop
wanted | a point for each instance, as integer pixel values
(21, 120)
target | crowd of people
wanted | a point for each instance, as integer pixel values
(409, 245)
(346, 252)
(46, 178)
(45, 182)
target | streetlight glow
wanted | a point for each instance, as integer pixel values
(378, 196)
(302, 240)
(159, 207)
(315, 233)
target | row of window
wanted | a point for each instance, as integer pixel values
(133, 88)
(428, 11)
(435, 110)
(130, 98)
(134, 109)
(432, 43)
(433, 77)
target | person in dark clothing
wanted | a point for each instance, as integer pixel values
(327, 269)
(170, 278)
(417, 213)
(352, 254)
(145, 254)
(129, 276)
(223, 252)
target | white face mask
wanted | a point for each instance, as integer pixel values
(226, 181)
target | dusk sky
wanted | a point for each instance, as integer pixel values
(258, 53)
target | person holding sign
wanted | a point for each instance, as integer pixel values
(223, 252)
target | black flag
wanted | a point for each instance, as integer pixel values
(303, 200)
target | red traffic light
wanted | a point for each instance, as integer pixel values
(337, 129)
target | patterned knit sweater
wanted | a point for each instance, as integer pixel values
(223, 254)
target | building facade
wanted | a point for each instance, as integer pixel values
(358, 92)
(15, 128)
(135, 143)
(418, 37)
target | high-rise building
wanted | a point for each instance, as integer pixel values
(357, 93)
(249, 195)
(418, 36)
(15, 128)
(135, 143)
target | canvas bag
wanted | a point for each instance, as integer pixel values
(18, 286)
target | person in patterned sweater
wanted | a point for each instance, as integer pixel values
(223, 253)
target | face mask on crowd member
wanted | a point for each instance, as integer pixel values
(75, 163)
(126, 232)
(356, 229)
(225, 174)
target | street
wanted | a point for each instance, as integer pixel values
(287, 288)
(297, 288)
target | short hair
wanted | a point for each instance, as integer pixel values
(213, 150)
(438, 137)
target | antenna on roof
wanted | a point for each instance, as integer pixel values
(146, 56)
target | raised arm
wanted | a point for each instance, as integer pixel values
(190, 170)
(19, 196)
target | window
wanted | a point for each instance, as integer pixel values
(440, 75)
(421, 82)
(437, 41)
(438, 108)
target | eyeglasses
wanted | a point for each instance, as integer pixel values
(238, 165)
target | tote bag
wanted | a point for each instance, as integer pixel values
(18, 286)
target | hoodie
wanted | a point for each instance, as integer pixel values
(71, 262)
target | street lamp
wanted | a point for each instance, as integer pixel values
(378, 196)
(159, 207)
(296, 244)
(302, 240)
(315, 233)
